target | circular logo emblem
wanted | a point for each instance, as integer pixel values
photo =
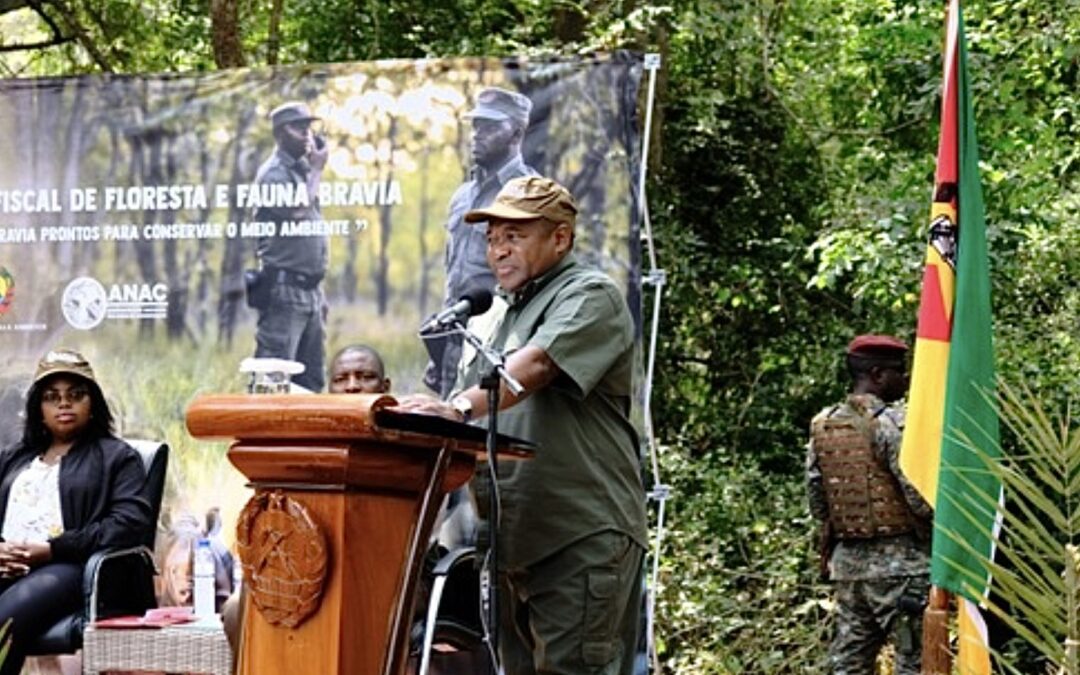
(284, 555)
(84, 303)
(7, 290)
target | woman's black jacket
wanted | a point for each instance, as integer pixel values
(101, 496)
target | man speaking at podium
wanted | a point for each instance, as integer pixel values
(573, 533)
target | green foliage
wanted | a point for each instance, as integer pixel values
(1037, 306)
(847, 94)
(790, 206)
(342, 30)
(735, 239)
(5, 638)
(739, 573)
(152, 36)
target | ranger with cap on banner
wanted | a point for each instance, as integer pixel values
(286, 290)
(499, 121)
(875, 539)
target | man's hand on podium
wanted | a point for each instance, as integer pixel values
(423, 404)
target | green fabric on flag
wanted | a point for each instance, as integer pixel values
(967, 491)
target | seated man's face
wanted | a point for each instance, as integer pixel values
(357, 373)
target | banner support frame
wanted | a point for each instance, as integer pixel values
(657, 278)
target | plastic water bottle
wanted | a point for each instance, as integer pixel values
(204, 579)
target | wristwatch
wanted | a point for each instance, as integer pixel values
(464, 407)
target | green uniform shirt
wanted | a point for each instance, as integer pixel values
(585, 476)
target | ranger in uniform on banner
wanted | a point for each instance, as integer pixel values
(499, 121)
(287, 289)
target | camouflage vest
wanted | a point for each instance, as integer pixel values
(865, 500)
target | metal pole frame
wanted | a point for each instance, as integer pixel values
(656, 277)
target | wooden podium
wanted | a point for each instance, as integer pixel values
(346, 494)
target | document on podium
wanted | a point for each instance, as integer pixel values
(433, 425)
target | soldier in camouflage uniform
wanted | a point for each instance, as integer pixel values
(876, 543)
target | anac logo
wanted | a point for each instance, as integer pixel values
(7, 290)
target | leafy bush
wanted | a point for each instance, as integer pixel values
(740, 592)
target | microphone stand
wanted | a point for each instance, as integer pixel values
(489, 382)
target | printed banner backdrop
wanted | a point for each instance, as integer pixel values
(127, 219)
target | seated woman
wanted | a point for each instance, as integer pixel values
(69, 488)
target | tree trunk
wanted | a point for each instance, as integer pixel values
(534, 147)
(47, 152)
(176, 276)
(201, 263)
(225, 33)
(23, 108)
(74, 141)
(382, 269)
(231, 295)
(147, 170)
(273, 38)
(348, 272)
(425, 215)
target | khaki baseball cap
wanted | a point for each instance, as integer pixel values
(529, 198)
(63, 361)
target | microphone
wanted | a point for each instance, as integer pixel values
(474, 301)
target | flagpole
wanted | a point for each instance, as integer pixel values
(936, 657)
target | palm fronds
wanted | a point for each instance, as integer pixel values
(1036, 572)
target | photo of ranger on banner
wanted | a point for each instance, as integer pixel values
(226, 232)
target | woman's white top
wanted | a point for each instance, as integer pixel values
(33, 508)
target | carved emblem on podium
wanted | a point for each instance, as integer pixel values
(284, 556)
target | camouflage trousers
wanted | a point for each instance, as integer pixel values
(873, 612)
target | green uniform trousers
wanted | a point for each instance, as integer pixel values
(575, 612)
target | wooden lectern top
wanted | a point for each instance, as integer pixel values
(346, 417)
(285, 416)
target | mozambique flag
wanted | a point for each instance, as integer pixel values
(949, 411)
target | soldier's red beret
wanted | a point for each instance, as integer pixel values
(872, 345)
